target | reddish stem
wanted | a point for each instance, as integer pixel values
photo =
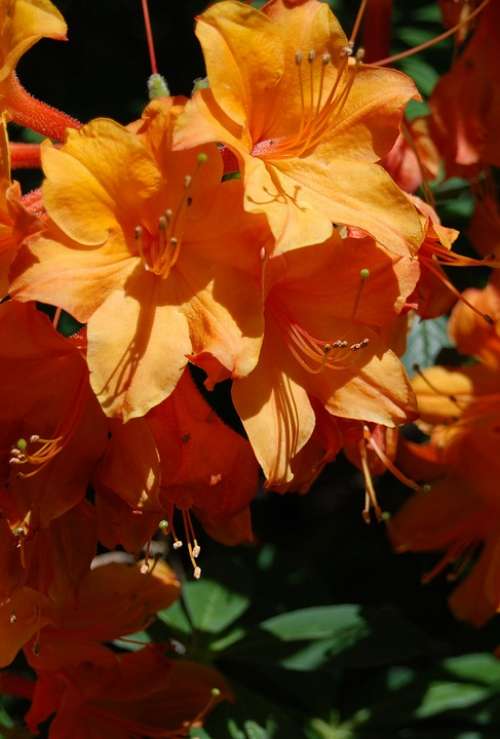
(27, 111)
(377, 30)
(24, 156)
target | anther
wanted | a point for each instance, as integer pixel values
(263, 254)
(174, 241)
(16, 460)
(202, 157)
(163, 525)
(187, 181)
(196, 550)
(489, 320)
(298, 57)
(177, 544)
(426, 488)
(197, 573)
(21, 444)
(138, 233)
(34, 438)
(360, 54)
(364, 273)
(12, 618)
(215, 692)
(311, 56)
(348, 49)
(189, 201)
(326, 59)
(168, 214)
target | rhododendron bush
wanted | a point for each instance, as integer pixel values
(249, 351)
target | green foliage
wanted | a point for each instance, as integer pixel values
(425, 340)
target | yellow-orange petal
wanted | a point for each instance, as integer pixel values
(243, 55)
(275, 410)
(24, 22)
(353, 193)
(379, 392)
(138, 341)
(77, 280)
(84, 191)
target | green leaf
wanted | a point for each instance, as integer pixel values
(343, 622)
(413, 36)
(481, 668)
(443, 696)
(175, 618)
(68, 325)
(212, 606)
(252, 716)
(137, 641)
(425, 341)
(423, 74)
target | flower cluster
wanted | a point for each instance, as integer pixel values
(264, 232)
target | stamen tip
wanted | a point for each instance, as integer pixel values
(202, 157)
(197, 573)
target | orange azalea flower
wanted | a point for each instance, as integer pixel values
(142, 694)
(473, 336)
(39, 569)
(141, 252)
(414, 159)
(329, 312)
(50, 560)
(484, 228)
(460, 408)
(21, 618)
(112, 600)
(51, 426)
(465, 104)
(207, 468)
(16, 222)
(306, 121)
(22, 24)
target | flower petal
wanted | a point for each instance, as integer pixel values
(137, 346)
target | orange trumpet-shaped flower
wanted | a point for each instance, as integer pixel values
(22, 24)
(465, 104)
(16, 222)
(414, 159)
(39, 569)
(207, 468)
(329, 312)
(306, 121)
(142, 694)
(52, 430)
(460, 408)
(112, 600)
(154, 252)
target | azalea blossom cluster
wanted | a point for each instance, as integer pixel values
(266, 232)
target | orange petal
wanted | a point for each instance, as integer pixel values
(137, 347)
(275, 410)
